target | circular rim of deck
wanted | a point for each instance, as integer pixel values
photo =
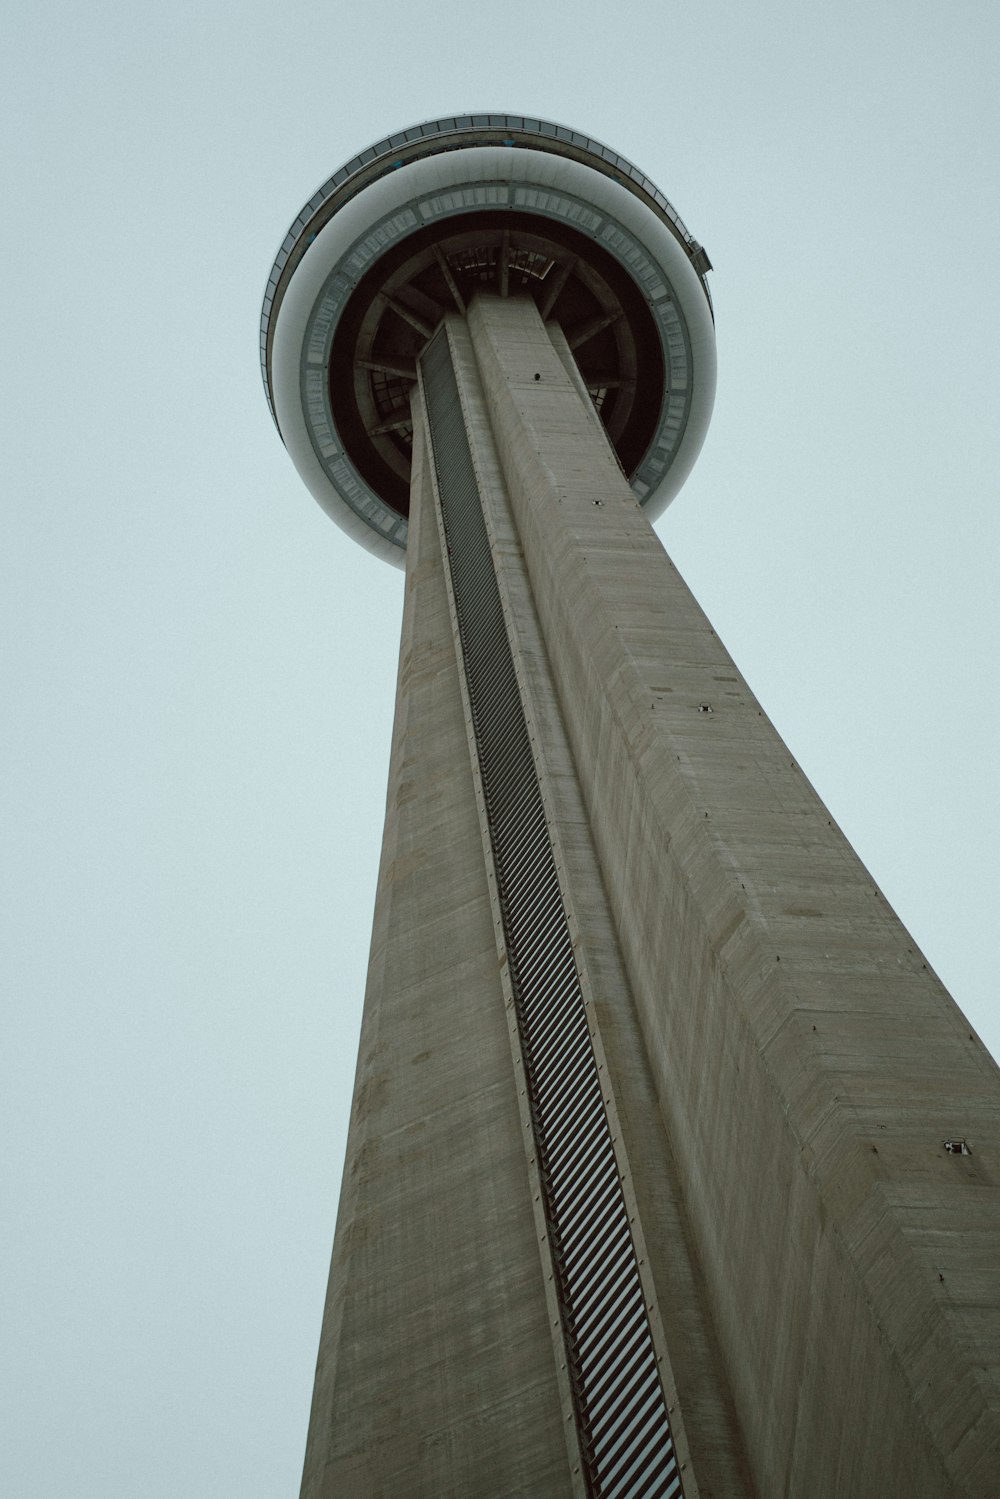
(443, 176)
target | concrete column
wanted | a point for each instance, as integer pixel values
(808, 1065)
(701, 1405)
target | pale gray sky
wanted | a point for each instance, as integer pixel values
(199, 667)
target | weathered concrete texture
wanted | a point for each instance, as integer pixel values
(705, 1431)
(807, 1063)
(436, 1372)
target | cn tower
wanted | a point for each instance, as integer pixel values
(672, 1168)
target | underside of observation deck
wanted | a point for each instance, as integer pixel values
(402, 300)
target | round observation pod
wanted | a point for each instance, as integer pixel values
(410, 229)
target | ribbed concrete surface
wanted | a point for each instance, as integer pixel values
(807, 1063)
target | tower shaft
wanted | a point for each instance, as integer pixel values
(765, 1069)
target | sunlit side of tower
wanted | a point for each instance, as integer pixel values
(672, 1167)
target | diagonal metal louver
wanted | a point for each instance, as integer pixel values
(621, 1412)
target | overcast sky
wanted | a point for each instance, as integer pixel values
(199, 667)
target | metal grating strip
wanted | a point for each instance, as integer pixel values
(621, 1413)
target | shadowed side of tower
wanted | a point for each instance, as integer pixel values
(435, 1343)
(672, 1168)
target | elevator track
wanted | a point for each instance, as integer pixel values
(621, 1410)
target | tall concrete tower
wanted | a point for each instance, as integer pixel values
(672, 1168)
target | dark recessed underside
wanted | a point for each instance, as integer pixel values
(401, 300)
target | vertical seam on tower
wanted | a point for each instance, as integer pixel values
(619, 1402)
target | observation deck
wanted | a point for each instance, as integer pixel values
(412, 228)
